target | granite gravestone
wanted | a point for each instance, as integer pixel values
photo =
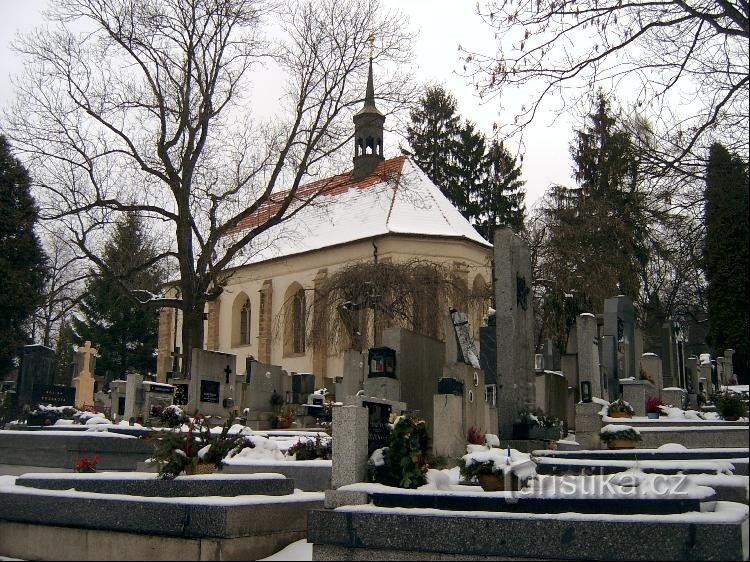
(53, 395)
(618, 343)
(378, 415)
(37, 368)
(515, 328)
(212, 382)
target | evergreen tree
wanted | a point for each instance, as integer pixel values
(726, 256)
(123, 330)
(595, 243)
(432, 136)
(501, 195)
(22, 260)
(470, 172)
(64, 357)
(481, 179)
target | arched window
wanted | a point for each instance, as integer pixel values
(295, 312)
(298, 322)
(245, 318)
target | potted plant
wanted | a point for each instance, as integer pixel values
(730, 405)
(548, 428)
(476, 440)
(620, 436)
(654, 407)
(620, 409)
(195, 451)
(497, 470)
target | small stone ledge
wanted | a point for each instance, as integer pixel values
(338, 498)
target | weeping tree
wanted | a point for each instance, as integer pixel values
(354, 304)
(146, 107)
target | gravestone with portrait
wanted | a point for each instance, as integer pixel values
(212, 383)
(37, 369)
(454, 411)
(382, 375)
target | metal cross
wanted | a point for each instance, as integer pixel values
(228, 372)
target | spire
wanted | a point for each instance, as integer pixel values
(368, 131)
(370, 94)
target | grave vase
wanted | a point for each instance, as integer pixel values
(199, 468)
(497, 483)
(621, 444)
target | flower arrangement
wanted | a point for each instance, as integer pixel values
(403, 462)
(86, 464)
(176, 451)
(730, 405)
(654, 405)
(320, 448)
(504, 464)
(172, 416)
(475, 436)
(284, 419)
(620, 408)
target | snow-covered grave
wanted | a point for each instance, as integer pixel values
(624, 516)
(131, 515)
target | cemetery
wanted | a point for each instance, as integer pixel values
(452, 441)
(523, 453)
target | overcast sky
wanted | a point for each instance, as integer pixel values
(441, 26)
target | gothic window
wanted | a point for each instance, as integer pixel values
(245, 323)
(298, 322)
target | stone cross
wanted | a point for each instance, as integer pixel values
(84, 381)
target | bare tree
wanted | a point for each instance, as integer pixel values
(691, 53)
(148, 109)
(63, 287)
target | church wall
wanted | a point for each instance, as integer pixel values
(303, 269)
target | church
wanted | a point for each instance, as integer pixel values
(382, 212)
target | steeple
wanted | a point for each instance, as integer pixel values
(368, 133)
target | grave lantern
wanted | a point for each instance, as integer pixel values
(586, 391)
(382, 362)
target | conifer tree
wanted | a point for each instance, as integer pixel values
(725, 257)
(501, 195)
(123, 330)
(64, 357)
(470, 171)
(22, 260)
(432, 136)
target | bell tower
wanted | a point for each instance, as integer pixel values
(368, 133)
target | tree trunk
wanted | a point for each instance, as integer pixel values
(192, 332)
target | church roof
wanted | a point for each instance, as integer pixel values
(396, 198)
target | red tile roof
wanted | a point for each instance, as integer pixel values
(386, 171)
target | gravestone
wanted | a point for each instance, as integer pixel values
(84, 381)
(382, 378)
(353, 377)
(156, 397)
(37, 368)
(652, 367)
(261, 381)
(117, 397)
(618, 342)
(673, 354)
(588, 354)
(378, 415)
(53, 395)
(212, 383)
(515, 328)
(134, 396)
(303, 385)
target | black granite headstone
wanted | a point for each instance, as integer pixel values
(210, 391)
(53, 395)
(378, 431)
(37, 367)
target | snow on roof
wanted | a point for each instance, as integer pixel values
(397, 198)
